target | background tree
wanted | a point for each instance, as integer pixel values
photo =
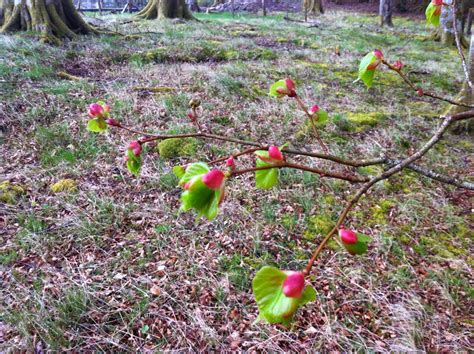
(53, 18)
(386, 10)
(156, 9)
(313, 6)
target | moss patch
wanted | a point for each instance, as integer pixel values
(176, 147)
(64, 185)
(9, 193)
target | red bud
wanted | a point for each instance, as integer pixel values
(187, 185)
(95, 110)
(136, 147)
(112, 122)
(213, 179)
(378, 54)
(191, 115)
(347, 236)
(420, 92)
(275, 153)
(314, 109)
(290, 84)
(293, 285)
(437, 2)
(398, 65)
(230, 162)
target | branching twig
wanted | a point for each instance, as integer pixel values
(388, 173)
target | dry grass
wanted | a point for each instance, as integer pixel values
(77, 268)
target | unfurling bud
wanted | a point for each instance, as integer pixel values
(347, 236)
(112, 122)
(288, 90)
(378, 54)
(213, 179)
(398, 65)
(136, 147)
(420, 92)
(194, 103)
(314, 109)
(230, 162)
(275, 153)
(95, 110)
(293, 285)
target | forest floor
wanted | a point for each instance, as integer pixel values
(104, 261)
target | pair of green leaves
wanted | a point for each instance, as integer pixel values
(266, 178)
(272, 303)
(198, 196)
(134, 163)
(360, 247)
(433, 13)
(366, 74)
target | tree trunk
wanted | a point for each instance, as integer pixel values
(445, 31)
(466, 96)
(313, 6)
(194, 6)
(157, 9)
(55, 19)
(385, 10)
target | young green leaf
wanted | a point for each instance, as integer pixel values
(322, 118)
(359, 247)
(272, 303)
(432, 14)
(134, 163)
(268, 178)
(195, 169)
(273, 88)
(201, 198)
(97, 125)
(179, 171)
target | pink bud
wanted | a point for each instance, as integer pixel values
(347, 236)
(187, 185)
(136, 147)
(314, 109)
(275, 153)
(282, 90)
(106, 108)
(378, 54)
(420, 92)
(290, 84)
(95, 110)
(112, 122)
(437, 2)
(213, 179)
(230, 162)
(293, 285)
(398, 65)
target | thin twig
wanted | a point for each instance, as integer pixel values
(310, 117)
(459, 45)
(388, 173)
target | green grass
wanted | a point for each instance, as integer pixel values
(79, 266)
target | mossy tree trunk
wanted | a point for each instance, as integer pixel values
(445, 32)
(466, 95)
(313, 6)
(157, 9)
(386, 10)
(53, 18)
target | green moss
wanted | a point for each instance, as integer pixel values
(365, 118)
(318, 224)
(9, 193)
(64, 185)
(178, 147)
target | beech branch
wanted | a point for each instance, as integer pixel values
(459, 45)
(420, 91)
(386, 174)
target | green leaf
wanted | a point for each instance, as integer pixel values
(431, 16)
(360, 247)
(201, 198)
(97, 125)
(367, 76)
(179, 171)
(323, 118)
(273, 88)
(266, 179)
(134, 163)
(195, 169)
(273, 305)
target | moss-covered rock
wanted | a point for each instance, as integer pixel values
(9, 192)
(65, 185)
(178, 147)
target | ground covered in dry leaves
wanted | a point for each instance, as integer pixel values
(93, 259)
